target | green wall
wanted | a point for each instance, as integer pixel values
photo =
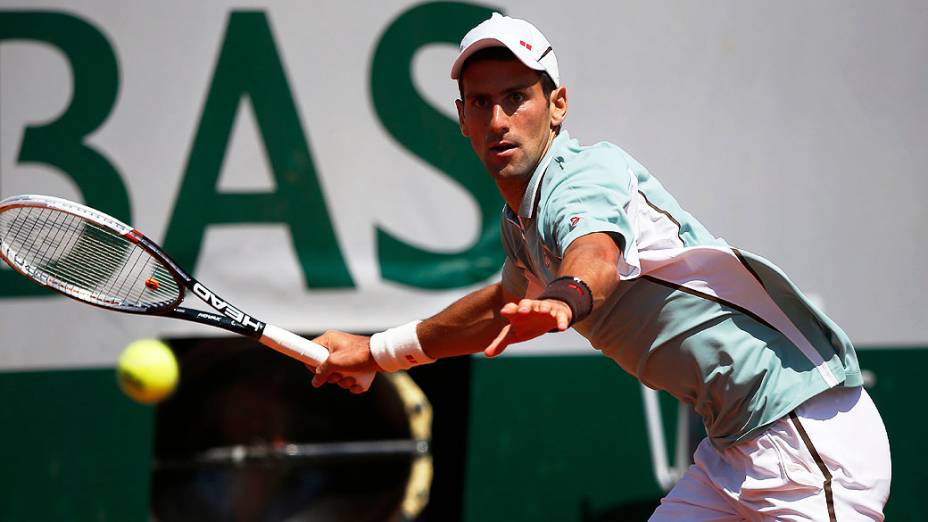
(550, 438)
(554, 437)
(72, 447)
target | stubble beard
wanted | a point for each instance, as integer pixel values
(511, 173)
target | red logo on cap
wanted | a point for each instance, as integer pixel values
(526, 45)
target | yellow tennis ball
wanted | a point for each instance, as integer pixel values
(147, 371)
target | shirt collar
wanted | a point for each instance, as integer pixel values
(530, 198)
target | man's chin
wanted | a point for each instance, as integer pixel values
(512, 174)
(504, 169)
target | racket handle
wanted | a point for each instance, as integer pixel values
(304, 350)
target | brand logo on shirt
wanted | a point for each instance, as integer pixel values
(574, 220)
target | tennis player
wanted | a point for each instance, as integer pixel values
(594, 242)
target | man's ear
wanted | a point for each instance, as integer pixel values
(558, 104)
(460, 106)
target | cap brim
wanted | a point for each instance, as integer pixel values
(484, 43)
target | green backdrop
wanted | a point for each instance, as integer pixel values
(549, 438)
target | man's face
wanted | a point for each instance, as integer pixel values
(507, 117)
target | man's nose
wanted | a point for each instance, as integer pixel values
(499, 120)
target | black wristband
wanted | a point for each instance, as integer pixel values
(574, 293)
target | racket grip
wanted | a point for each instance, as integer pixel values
(293, 345)
(304, 350)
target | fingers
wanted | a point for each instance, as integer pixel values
(321, 372)
(551, 307)
(563, 317)
(321, 375)
(324, 375)
(348, 383)
(527, 308)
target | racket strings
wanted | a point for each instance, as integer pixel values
(98, 262)
(129, 273)
(84, 260)
(49, 251)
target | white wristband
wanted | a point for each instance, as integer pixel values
(398, 348)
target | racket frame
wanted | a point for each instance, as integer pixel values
(227, 316)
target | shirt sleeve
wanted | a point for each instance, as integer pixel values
(594, 198)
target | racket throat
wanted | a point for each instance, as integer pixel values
(253, 326)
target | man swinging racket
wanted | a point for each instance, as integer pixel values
(594, 242)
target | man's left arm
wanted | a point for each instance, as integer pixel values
(593, 259)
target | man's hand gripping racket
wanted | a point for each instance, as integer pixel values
(89, 256)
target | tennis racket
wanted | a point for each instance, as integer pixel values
(96, 259)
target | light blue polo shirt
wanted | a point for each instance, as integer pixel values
(721, 329)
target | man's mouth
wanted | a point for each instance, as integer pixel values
(502, 148)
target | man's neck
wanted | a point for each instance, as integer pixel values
(513, 190)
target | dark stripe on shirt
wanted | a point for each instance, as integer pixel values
(748, 267)
(710, 297)
(664, 212)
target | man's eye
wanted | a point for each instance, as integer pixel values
(517, 97)
(480, 102)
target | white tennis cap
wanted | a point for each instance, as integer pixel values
(522, 38)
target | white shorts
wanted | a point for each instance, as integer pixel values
(828, 460)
